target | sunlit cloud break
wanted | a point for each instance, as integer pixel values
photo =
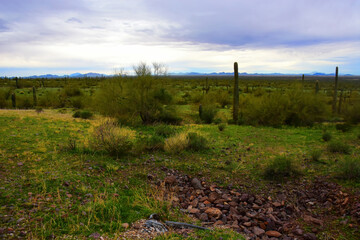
(53, 36)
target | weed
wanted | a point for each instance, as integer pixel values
(326, 136)
(164, 130)
(112, 138)
(221, 127)
(349, 169)
(315, 155)
(279, 168)
(339, 147)
(83, 114)
(344, 127)
(177, 143)
(196, 142)
(208, 113)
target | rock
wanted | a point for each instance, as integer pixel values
(20, 164)
(125, 225)
(196, 183)
(247, 224)
(310, 219)
(310, 236)
(194, 211)
(204, 217)
(95, 235)
(276, 204)
(258, 231)
(298, 232)
(273, 234)
(213, 212)
(213, 196)
(218, 222)
(170, 180)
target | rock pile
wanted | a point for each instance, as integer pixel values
(260, 216)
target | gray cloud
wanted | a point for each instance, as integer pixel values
(73, 20)
(3, 27)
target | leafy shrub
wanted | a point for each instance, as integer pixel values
(208, 113)
(196, 142)
(83, 114)
(77, 102)
(154, 142)
(112, 138)
(349, 169)
(72, 91)
(291, 108)
(344, 127)
(4, 98)
(177, 143)
(169, 115)
(24, 102)
(339, 147)
(326, 136)
(315, 155)
(352, 114)
(164, 130)
(38, 110)
(221, 127)
(280, 168)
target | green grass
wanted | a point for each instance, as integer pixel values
(77, 192)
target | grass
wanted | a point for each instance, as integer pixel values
(74, 191)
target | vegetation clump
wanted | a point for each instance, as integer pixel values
(112, 138)
(185, 141)
(344, 127)
(196, 142)
(339, 147)
(349, 169)
(280, 168)
(221, 127)
(326, 136)
(315, 155)
(208, 113)
(83, 114)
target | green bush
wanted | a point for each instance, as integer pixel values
(326, 136)
(344, 127)
(112, 138)
(77, 102)
(294, 107)
(352, 114)
(349, 169)
(279, 168)
(154, 142)
(164, 131)
(339, 147)
(315, 155)
(4, 98)
(221, 127)
(196, 142)
(208, 113)
(83, 114)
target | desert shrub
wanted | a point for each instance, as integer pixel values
(164, 130)
(176, 143)
(339, 147)
(208, 113)
(326, 136)
(24, 102)
(352, 114)
(83, 114)
(196, 142)
(38, 110)
(169, 115)
(112, 138)
(154, 142)
(77, 102)
(221, 127)
(315, 155)
(344, 127)
(279, 168)
(4, 98)
(72, 91)
(51, 99)
(292, 108)
(196, 97)
(358, 136)
(349, 169)
(142, 97)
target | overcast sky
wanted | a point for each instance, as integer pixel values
(264, 36)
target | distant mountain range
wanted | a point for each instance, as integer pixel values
(93, 75)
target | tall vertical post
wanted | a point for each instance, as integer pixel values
(34, 96)
(335, 91)
(236, 93)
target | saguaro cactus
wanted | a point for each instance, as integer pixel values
(236, 93)
(13, 100)
(317, 87)
(303, 80)
(335, 91)
(34, 97)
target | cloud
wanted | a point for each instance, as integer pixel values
(73, 20)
